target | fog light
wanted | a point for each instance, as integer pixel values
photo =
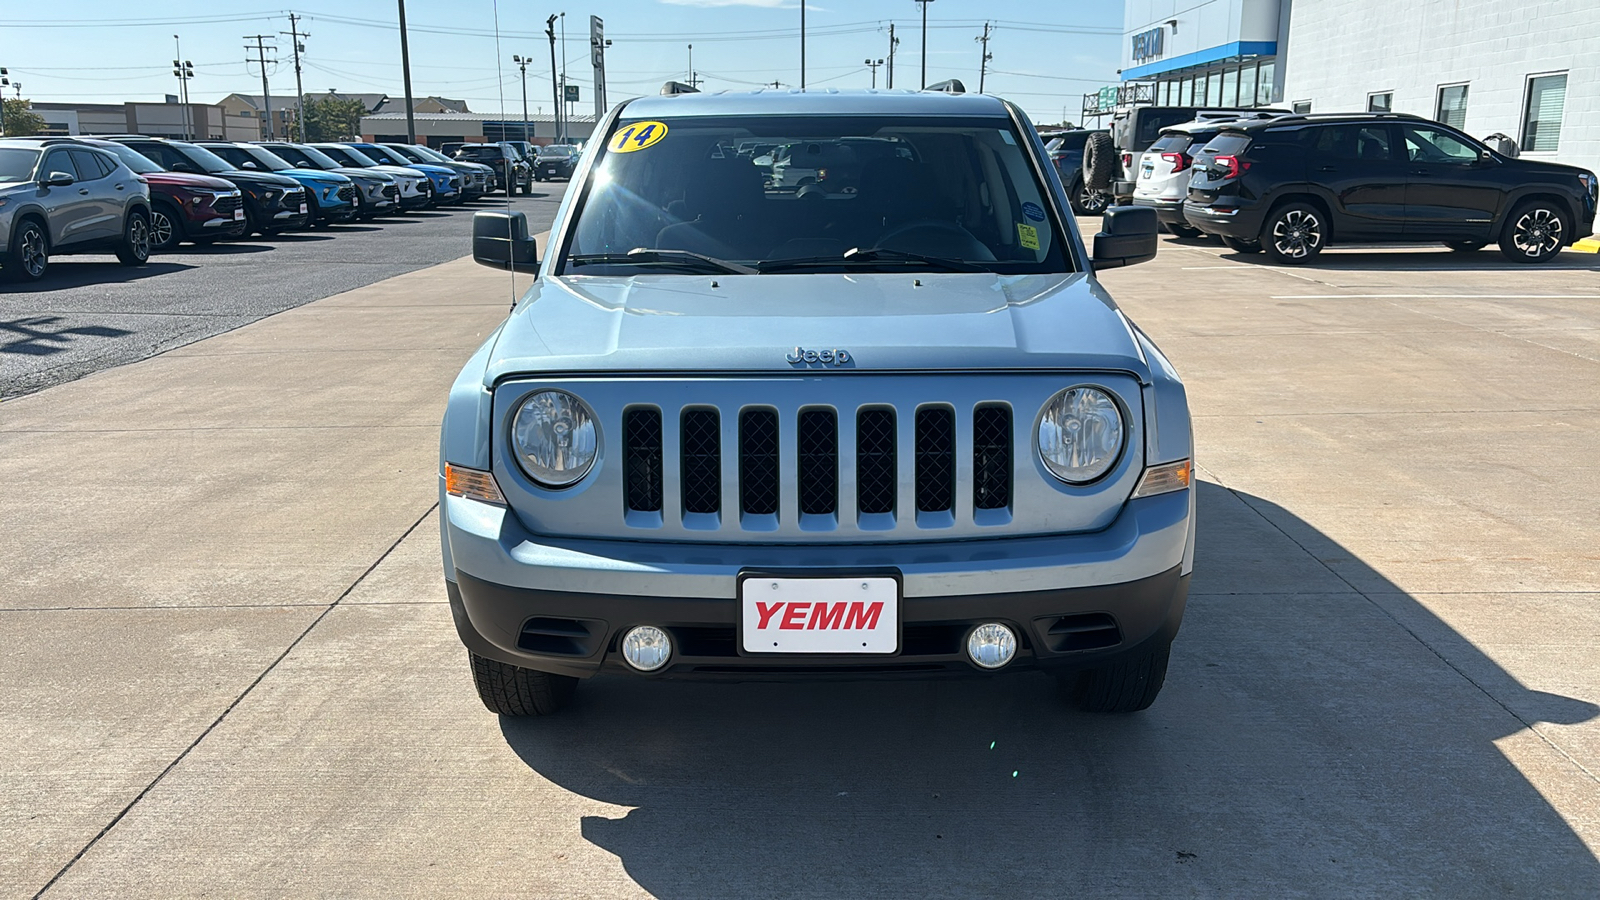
(646, 648)
(991, 645)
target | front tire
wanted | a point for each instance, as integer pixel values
(166, 228)
(509, 690)
(134, 250)
(1294, 234)
(1240, 245)
(29, 256)
(1126, 685)
(1535, 232)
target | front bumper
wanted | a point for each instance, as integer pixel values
(1133, 574)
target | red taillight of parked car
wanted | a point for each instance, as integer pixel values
(1230, 166)
(1127, 160)
(1180, 161)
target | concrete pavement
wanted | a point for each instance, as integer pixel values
(230, 671)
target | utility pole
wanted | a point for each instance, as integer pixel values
(266, 94)
(597, 57)
(893, 43)
(522, 63)
(3, 82)
(694, 80)
(924, 4)
(555, 86)
(983, 63)
(873, 64)
(405, 71)
(184, 70)
(802, 45)
(566, 108)
(299, 92)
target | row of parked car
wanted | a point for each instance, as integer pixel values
(1288, 186)
(135, 195)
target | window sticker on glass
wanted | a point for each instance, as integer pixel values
(638, 136)
(1028, 236)
(1033, 211)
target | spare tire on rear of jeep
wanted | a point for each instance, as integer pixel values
(1099, 162)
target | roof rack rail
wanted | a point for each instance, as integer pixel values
(672, 88)
(950, 86)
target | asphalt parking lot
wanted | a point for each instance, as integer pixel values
(230, 669)
(91, 313)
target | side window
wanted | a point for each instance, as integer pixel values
(1435, 146)
(1368, 143)
(59, 161)
(90, 168)
(163, 156)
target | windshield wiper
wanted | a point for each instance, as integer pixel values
(645, 256)
(859, 256)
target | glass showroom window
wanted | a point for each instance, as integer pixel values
(1186, 94)
(1264, 84)
(1247, 86)
(1214, 89)
(1452, 108)
(1230, 87)
(1541, 119)
(1383, 102)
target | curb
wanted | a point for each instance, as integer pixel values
(1587, 245)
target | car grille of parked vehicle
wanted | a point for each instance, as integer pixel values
(347, 193)
(391, 191)
(293, 198)
(877, 460)
(224, 206)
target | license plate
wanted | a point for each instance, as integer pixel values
(302, 209)
(238, 214)
(1147, 171)
(819, 615)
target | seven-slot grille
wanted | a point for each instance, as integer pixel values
(814, 436)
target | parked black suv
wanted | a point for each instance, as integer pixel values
(1292, 185)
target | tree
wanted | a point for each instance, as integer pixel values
(21, 120)
(332, 119)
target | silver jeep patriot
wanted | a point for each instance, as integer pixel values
(878, 421)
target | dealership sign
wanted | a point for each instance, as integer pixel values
(1148, 44)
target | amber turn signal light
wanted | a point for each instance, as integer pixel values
(1165, 478)
(460, 481)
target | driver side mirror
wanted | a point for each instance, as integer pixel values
(58, 179)
(1127, 237)
(183, 167)
(247, 164)
(500, 241)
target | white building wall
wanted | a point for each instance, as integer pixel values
(1339, 51)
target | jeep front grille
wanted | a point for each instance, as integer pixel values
(818, 442)
(642, 459)
(991, 457)
(702, 461)
(936, 459)
(758, 462)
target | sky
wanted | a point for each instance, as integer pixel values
(1046, 53)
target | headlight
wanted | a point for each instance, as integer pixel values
(1080, 434)
(555, 437)
(268, 195)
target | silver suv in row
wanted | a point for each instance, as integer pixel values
(61, 196)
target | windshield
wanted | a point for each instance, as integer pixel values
(16, 163)
(385, 155)
(880, 194)
(428, 154)
(203, 158)
(348, 156)
(557, 150)
(306, 157)
(139, 164)
(481, 154)
(406, 153)
(251, 158)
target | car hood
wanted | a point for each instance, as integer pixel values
(363, 174)
(258, 179)
(406, 171)
(185, 180)
(1545, 167)
(315, 176)
(752, 323)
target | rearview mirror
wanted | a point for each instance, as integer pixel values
(1127, 237)
(500, 241)
(58, 179)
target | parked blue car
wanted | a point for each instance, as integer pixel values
(446, 181)
(331, 196)
(872, 427)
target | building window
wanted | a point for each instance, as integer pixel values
(1186, 92)
(1301, 107)
(1381, 103)
(1230, 87)
(1247, 85)
(1214, 89)
(1541, 117)
(1452, 108)
(1264, 83)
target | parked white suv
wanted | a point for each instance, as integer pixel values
(1162, 181)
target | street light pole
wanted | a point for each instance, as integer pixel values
(873, 64)
(185, 71)
(522, 63)
(295, 34)
(555, 86)
(802, 45)
(405, 71)
(924, 4)
(893, 43)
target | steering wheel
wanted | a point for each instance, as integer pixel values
(937, 238)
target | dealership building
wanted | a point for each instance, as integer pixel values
(1530, 71)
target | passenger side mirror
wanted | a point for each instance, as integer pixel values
(500, 241)
(58, 179)
(247, 164)
(1127, 237)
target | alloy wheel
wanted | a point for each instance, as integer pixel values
(32, 253)
(1538, 232)
(1297, 234)
(1091, 201)
(139, 238)
(161, 228)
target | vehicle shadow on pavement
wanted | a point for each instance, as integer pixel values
(1421, 259)
(67, 275)
(1311, 739)
(40, 336)
(231, 248)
